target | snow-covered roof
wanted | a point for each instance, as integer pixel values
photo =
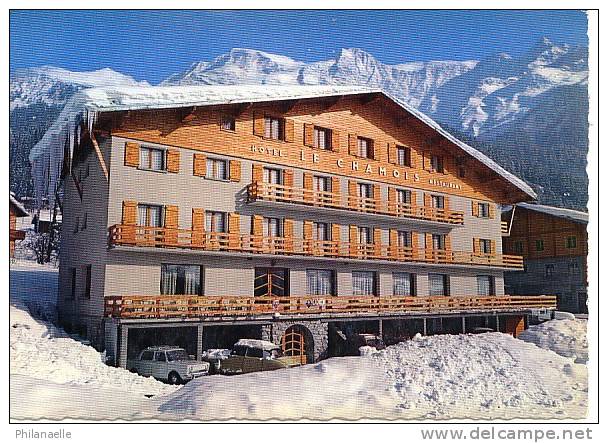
(84, 107)
(20, 208)
(258, 344)
(570, 214)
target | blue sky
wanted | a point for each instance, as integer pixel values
(151, 45)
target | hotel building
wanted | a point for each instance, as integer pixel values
(199, 215)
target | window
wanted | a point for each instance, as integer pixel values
(150, 215)
(439, 241)
(403, 284)
(365, 235)
(483, 209)
(404, 239)
(549, 270)
(216, 169)
(404, 156)
(322, 184)
(273, 176)
(180, 280)
(321, 231)
(87, 281)
(322, 138)
(73, 282)
(228, 123)
(364, 283)
(365, 148)
(365, 190)
(404, 196)
(438, 284)
(573, 268)
(255, 352)
(160, 356)
(485, 285)
(320, 282)
(215, 221)
(437, 163)
(485, 246)
(540, 245)
(273, 227)
(437, 201)
(518, 247)
(152, 158)
(273, 128)
(147, 355)
(571, 242)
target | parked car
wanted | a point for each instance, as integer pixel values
(167, 363)
(249, 355)
(214, 357)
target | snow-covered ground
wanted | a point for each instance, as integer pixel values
(567, 337)
(485, 376)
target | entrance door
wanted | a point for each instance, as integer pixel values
(293, 345)
(271, 282)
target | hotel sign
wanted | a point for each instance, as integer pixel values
(356, 165)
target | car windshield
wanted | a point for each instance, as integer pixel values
(176, 355)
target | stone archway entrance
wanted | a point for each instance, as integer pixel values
(298, 342)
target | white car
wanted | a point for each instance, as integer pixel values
(167, 363)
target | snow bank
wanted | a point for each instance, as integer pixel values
(566, 337)
(485, 376)
(45, 360)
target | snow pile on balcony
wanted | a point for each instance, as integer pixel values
(487, 376)
(53, 373)
(566, 337)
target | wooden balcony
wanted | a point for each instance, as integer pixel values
(126, 235)
(190, 306)
(278, 193)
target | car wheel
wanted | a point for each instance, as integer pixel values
(174, 378)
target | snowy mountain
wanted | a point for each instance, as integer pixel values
(506, 106)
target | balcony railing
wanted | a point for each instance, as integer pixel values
(190, 306)
(287, 194)
(127, 235)
(504, 227)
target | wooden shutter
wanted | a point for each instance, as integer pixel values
(415, 245)
(448, 242)
(257, 172)
(173, 160)
(393, 241)
(307, 235)
(352, 194)
(289, 129)
(335, 190)
(446, 203)
(353, 148)
(258, 123)
(308, 185)
(288, 178)
(392, 153)
(377, 242)
(426, 161)
(428, 201)
(132, 154)
(392, 199)
(309, 133)
(353, 238)
(493, 247)
(234, 231)
(492, 210)
(428, 240)
(336, 232)
(198, 226)
(129, 220)
(257, 222)
(376, 194)
(335, 141)
(288, 234)
(200, 165)
(235, 170)
(171, 224)
(448, 162)
(474, 208)
(476, 246)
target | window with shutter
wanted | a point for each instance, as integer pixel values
(152, 159)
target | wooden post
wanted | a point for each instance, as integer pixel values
(464, 325)
(199, 342)
(380, 328)
(122, 346)
(424, 326)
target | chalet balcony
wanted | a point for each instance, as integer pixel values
(192, 306)
(146, 236)
(267, 192)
